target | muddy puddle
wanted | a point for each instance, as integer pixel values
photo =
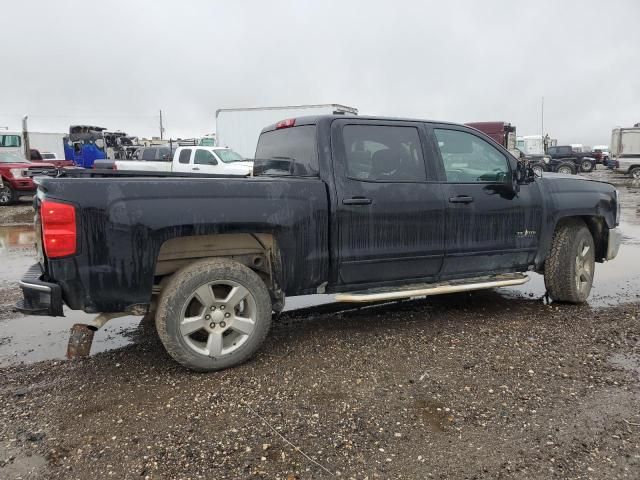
(15, 252)
(615, 282)
(27, 339)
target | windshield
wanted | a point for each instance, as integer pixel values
(228, 156)
(10, 140)
(12, 157)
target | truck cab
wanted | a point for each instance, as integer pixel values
(214, 160)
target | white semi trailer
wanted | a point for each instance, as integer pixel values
(625, 150)
(239, 128)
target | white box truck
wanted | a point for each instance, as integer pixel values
(625, 151)
(239, 128)
(41, 141)
(48, 142)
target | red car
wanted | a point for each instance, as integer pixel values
(13, 181)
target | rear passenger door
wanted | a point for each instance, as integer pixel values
(390, 212)
(183, 161)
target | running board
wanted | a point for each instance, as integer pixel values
(428, 289)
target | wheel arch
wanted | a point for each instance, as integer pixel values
(257, 251)
(597, 226)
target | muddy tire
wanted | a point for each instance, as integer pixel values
(213, 314)
(566, 168)
(569, 268)
(538, 169)
(586, 166)
(635, 173)
(7, 196)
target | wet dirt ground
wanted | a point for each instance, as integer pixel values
(494, 384)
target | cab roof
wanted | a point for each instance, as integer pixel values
(315, 119)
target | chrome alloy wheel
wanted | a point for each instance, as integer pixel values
(218, 318)
(5, 195)
(585, 261)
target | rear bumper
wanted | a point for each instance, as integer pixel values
(614, 242)
(39, 297)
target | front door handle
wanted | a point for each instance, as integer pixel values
(356, 201)
(195, 168)
(461, 199)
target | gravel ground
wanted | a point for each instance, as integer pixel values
(480, 385)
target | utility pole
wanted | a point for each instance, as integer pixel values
(161, 128)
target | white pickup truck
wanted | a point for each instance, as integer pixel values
(192, 159)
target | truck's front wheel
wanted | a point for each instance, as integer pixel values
(586, 166)
(635, 173)
(213, 314)
(7, 197)
(569, 268)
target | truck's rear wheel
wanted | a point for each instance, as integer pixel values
(635, 173)
(7, 197)
(566, 168)
(213, 314)
(569, 268)
(586, 166)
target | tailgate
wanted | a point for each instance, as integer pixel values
(38, 230)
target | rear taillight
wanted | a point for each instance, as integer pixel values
(59, 231)
(290, 122)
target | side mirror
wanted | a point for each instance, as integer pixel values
(524, 174)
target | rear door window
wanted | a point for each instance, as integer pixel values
(149, 154)
(297, 144)
(185, 156)
(164, 154)
(383, 153)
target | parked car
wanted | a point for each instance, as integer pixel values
(602, 151)
(15, 181)
(625, 151)
(193, 159)
(584, 161)
(371, 208)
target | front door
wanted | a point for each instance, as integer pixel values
(390, 215)
(489, 228)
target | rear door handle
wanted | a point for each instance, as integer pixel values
(195, 168)
(356, 201)
(461, 199)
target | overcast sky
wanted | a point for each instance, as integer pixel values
(117, 63)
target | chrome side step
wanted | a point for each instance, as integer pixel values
(428, 289)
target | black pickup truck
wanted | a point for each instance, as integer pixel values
(583, 161)
(369, 208)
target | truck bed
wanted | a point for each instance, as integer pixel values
(124, 219)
